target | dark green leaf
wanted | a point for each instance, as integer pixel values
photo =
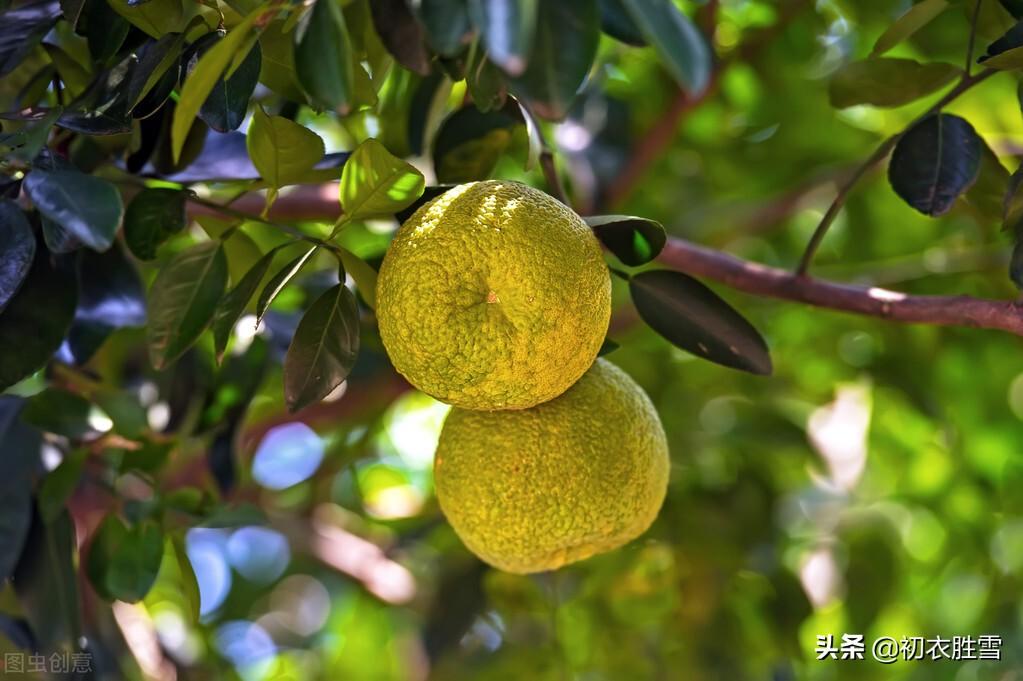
(565, 44)
(240, 515)
(447, 24)
(153, 216)
(46, 583)
(58, 240)
(41, 310)
(228, 100)
(634, 241)
(21, 29)
(1016, 265)
(86, 206)
(887, 82)
(694, 318)
(680, 44)
(58, 486)
(323, 57)
(105, 30)
(617, 23)
(60, 412)
(25, 144)
(103, 108)
(1013, 7)
(183, 300)
(508, 28)
(324, 348)
(234, 303)
(486, 82)
(401, 34)
(1007, 51)
(15, 520)
(374, 182)
(280, 280)
(607, 347)
(934, 162)
(915, 18)
(124, 561)
(470, 143)
(156, 75)
(18, 245)
(1012, 202)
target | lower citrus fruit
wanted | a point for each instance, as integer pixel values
(535, 489)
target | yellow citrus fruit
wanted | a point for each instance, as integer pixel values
(535, 489)
(493, 296)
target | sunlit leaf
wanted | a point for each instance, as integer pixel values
(887, 82)
(282, 151)
(915, 18)
(280, 280)
(374, 182)
(365, 277)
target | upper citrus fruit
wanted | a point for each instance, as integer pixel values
(493, 296)
(532, 490)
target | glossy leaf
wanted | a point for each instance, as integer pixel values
(508, 28)
(934, 162)
(323, 57)
(323, 350)
(694, 318)
(154, 215)
(282, 151)
(183, 299)
(617, 23)
(679, 43)
(635, 241)
(887, 82)
(156, 73)
(280, 280)
(915, 18)
(204, 78)
(402, 35)
(237, 299)
(25, 144)
(18, 245)
(41, 310)
(374, 182)
(447, 24)
(364, 276)
(105, 31)
(103, 108)
(228, 101)
(470, 143)
(86, 206)
(21, 29)
(124, 561)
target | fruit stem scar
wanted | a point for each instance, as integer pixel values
(492, 297)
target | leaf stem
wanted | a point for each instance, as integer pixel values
(879, 155)
(973, 39)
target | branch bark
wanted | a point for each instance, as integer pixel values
(761, 280)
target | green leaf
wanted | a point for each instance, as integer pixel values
(402, 35)
(234, 303)
(15, 520)
(617, 23)
(1016, 265)
(934, 162)
(323, 350)
(915, 18)
(25, 144)
(153, 216)
(694, 318)
(58, 486)
(60, 412)
(282, 151)
(534, 139)
(508, 28)
(1006, 53)
(154, 17)
(470, 142)
(105, 31)
(987, 195)
(375, 183)
(1012, 202)
(183, 300)
(280, 280)
(887, 82)
(21, 29)
(18, 245)
(240, 515)
(447, 24)
(634, 241)
(323, 57)
(124, 561)
(20, 457)
(205, 76)
(680, 44)
(228, 101)
(364, 276)
(565, 44)
(485, 82)
(46, 583)
(84, 205)
(607, 347)
(156, 74)
(186, 576)
(74, 76)
(41, 310)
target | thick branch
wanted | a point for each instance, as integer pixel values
(760, 280)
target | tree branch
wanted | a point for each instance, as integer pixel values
(760, 280)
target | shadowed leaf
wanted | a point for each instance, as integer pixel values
(634, 241)
(153, 216)
(18, 245)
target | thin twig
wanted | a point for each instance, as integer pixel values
(879, 155)
(973, 39)
(250, 217)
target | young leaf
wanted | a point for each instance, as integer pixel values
(365, 277)
(470, 143)
(508, 28)
(887, 82)
(634, 241)
(86, 206)
(565, 44)
(205, 76)
(183, 299)
(153, 216)
(18, 245)
(680, 44)
(401, 34)
(234, 303)
(280, 280)
(934, 162)
(915, 18)
(282, 151)
(124, 561)
(41, 310)
(374, 182)
(323, 350)
(695, 319)
(323, 57)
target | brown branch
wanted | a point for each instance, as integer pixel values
(770, 282)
